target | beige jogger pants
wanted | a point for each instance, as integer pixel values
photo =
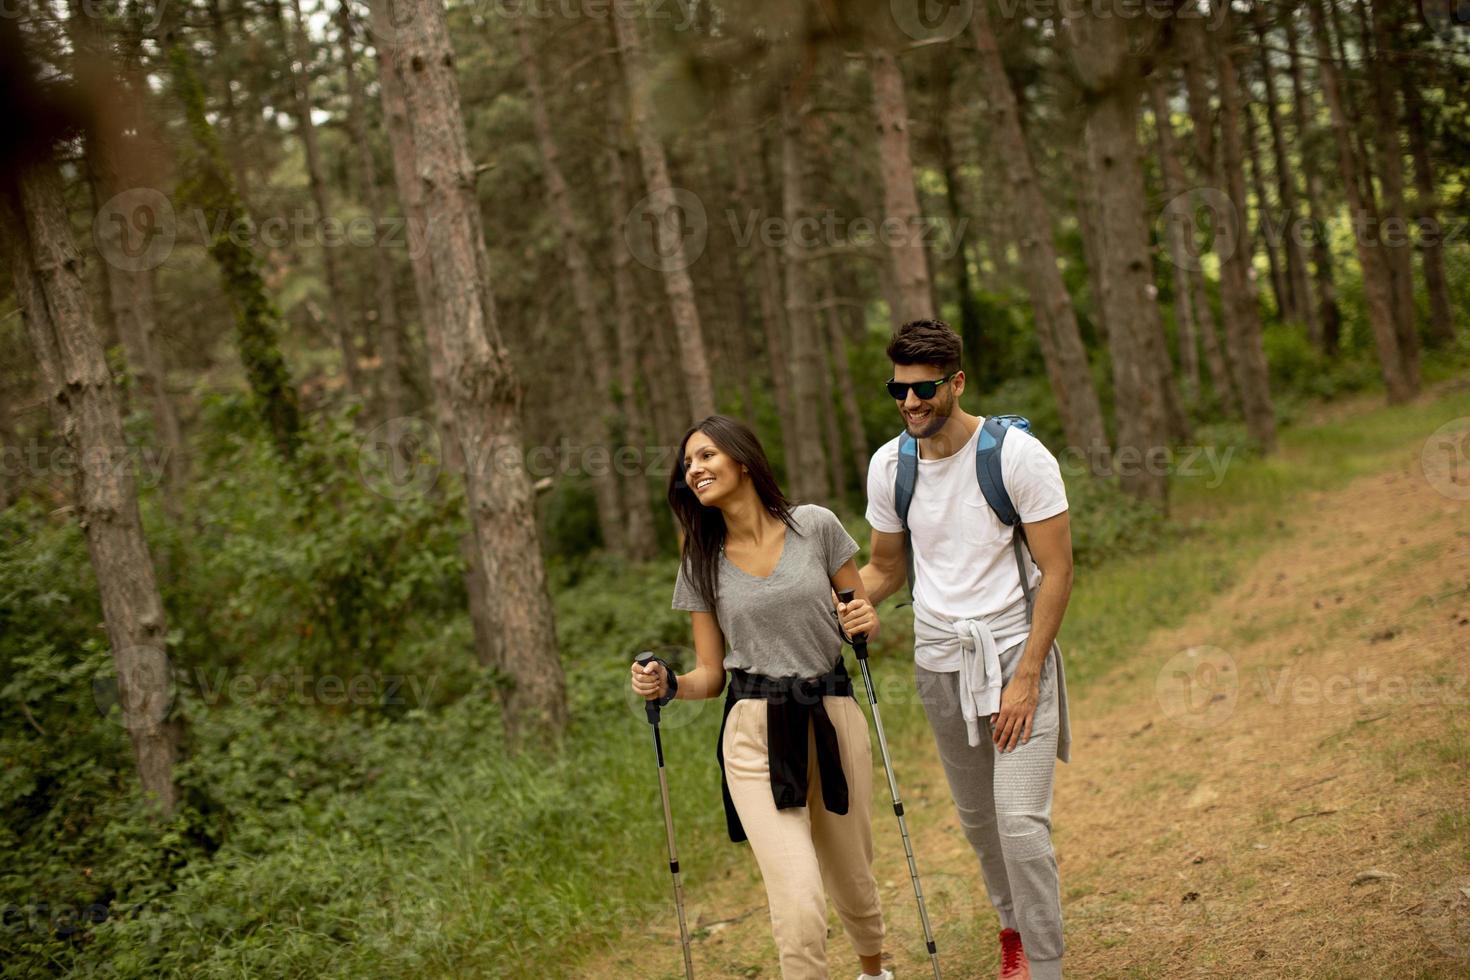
(801, 849)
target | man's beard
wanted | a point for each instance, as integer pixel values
(939, 415)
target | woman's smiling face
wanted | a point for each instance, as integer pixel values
(709, 471)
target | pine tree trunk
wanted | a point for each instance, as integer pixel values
(1207, 166)
(596, 360)
(1185, 282)
(1266, 232)
(1101, 51)
(232, 116)
(484, 391)
(1397, 377)
(971, 329)
(634, 423)
(668, 216)
(809, 482)
(47, 271)
(1393, 227)
(116, 161)
(1242, 315)
(1426, 214)
(847, 394)
(1125, 273)
(900, 196)
(1351, 102)
(306, 129)
(389, 328)
(209, 188)
(1056, 319)
(773, 313)
(1329, 315)
(1300, 290)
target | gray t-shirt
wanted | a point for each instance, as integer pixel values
(781, 625)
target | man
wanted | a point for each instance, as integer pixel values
(988, 671)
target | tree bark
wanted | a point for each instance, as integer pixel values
(809, 482)
(900, 196)
(1101, 52)
(1242, 315)
(47, 271)
(1056, 320)
(596, 361)
(116, 161)
(483, 625)
(484, 391)
(1398, 378)
(667, 213)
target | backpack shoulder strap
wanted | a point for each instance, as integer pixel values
(904, 480)
(992, 485)
(988, 471)
(906, 476)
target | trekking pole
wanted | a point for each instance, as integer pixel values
(652, 710)
(860, 647)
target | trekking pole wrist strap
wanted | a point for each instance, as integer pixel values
(673, 681)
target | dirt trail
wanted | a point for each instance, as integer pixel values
(1278, 787)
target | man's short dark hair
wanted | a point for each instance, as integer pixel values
(929, 342)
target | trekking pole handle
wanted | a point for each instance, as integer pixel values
(859, 640)
(650, 708)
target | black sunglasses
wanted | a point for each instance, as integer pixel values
(924, 389)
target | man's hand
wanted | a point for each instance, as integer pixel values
(1018, 701)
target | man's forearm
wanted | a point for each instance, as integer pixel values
(880, 585)
(1046, 620)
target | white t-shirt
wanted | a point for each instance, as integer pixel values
(964, 567)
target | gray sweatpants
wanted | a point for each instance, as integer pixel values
(1004, 804)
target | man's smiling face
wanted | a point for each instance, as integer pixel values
(924, 417)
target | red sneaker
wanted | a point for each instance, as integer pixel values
(1013, 962)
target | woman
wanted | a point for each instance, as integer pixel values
(758, 574)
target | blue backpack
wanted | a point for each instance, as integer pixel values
(987, 471)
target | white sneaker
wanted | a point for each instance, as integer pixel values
(885, 975)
